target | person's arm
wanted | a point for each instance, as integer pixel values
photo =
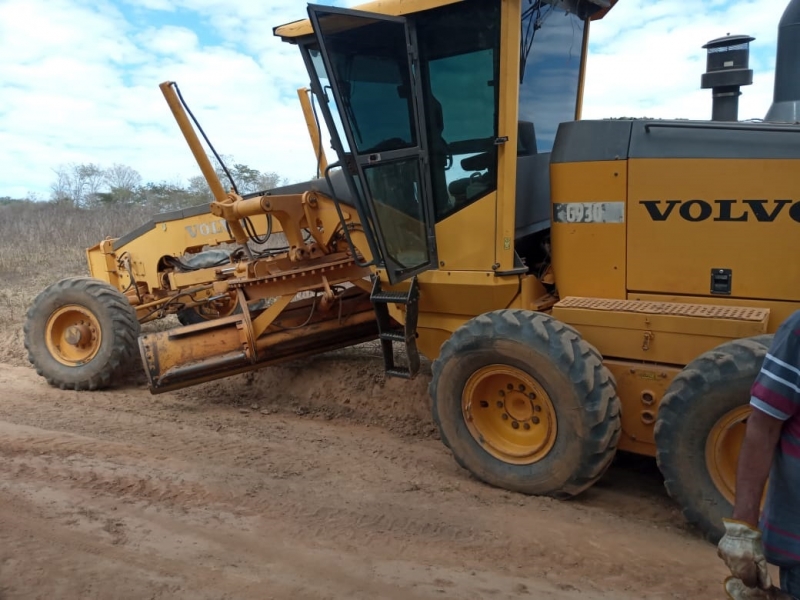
(775, 398)
(755, 459)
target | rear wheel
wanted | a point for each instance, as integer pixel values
(526, 404)
(700, 427)
(80, 332)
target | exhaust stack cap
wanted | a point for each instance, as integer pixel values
(727, 68)
(786, 99)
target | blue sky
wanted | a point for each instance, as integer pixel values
(79, 79)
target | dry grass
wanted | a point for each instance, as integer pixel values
(42, 242)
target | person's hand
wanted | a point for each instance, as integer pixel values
(737, 590)
(741, 550)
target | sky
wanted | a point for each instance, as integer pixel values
(79, 79)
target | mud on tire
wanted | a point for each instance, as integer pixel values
(119, 330)
(581, 389)
(714, 384)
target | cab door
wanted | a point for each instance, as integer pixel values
(372, 63)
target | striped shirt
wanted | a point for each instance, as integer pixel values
(776, 391)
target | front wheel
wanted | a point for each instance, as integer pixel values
(81, 332)
(526, 404)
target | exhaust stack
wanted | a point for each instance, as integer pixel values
(786, 99)
(727, 68)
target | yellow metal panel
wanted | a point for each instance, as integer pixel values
(589, 256)
(465, 240)
(382, 7)
(710, 226)
(658, 332)
(778, 311)
(434, 329)
(465, 292)
(640, 389)
(450, 298)
(173, 238)
(508, 117)
(102, 264)
(430, 340)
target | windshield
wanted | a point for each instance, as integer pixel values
(459, 49)
(552, 43)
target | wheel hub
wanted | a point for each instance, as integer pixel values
(76, 335)
(509, 414)
(73, 335)
(519, 407)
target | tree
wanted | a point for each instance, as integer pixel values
(78, 184)
(164, 196)
(88, 185)
(122, 181)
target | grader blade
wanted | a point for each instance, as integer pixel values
(186, 356)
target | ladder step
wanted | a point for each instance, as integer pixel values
(392, 336)
(390, 297)
(389, 333)
(400, 372)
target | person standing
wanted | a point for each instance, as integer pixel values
(771, 449)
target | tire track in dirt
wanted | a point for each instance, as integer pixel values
(222, 534)
(331, 487)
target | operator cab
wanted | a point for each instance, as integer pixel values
(413, 106)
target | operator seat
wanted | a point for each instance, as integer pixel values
(526, 146)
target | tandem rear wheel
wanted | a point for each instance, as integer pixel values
(525, 404)
(700, 428)
(80, 333)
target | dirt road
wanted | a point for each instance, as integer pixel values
(319, 480)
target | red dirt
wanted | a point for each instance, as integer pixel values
(315, 480)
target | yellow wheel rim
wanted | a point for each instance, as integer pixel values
(509, 414)
(722, 450)
(73, 335)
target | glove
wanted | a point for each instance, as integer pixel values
(741, 550)
(736, 590)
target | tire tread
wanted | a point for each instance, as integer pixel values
(579, 359)
(125, 332)
(723, 363)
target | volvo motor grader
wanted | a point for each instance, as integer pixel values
(580, 286)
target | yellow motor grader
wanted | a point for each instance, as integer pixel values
(580, 286)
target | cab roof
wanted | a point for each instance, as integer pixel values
(395, 8)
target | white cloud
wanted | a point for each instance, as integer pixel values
(647, 57)
(80, 79)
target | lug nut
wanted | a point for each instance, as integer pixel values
(532, 396)
(515, 425)
(505, 417)
(535, 420)
(499, 404)
(521, 388)
(537, 408)
(510, 387)
(502, 393)
(526, 426)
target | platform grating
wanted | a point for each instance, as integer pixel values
(706, 311)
